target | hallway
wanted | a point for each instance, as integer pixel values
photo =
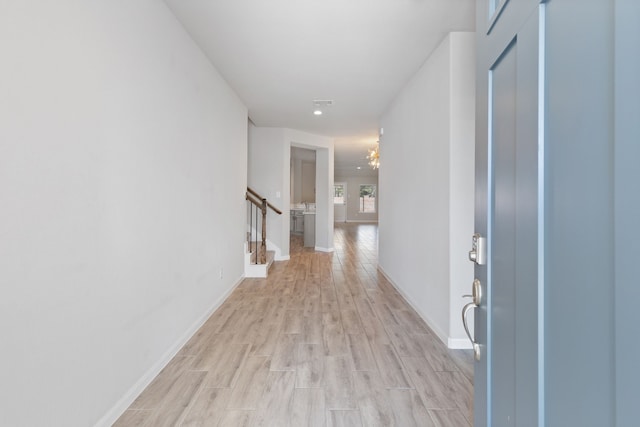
(325, 340)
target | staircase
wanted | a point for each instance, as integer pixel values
(252, 266)
(257, 258)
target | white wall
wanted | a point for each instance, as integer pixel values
(269, 175)
(122, 174)
(308, 182)
(296, 180)
(462, 179)
(426, 183)
(353, 197)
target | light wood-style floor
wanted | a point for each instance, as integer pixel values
(326, 340)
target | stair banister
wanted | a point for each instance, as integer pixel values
(261, 203)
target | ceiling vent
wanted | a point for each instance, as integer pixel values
(321, 105)
(323, 102)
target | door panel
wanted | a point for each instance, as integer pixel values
(501, 295)
(507, 175)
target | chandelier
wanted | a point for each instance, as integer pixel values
(374, 156)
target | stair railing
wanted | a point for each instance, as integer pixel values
(258, 203)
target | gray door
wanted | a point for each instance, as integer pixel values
(507, 214)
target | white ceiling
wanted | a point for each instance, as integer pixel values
(280, 55)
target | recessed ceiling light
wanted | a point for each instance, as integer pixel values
(317, 112)
(358, 168)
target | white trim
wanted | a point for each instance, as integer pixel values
(319, 249)
(282, 258)
(459, 344)
(112, 415)
(363, 220)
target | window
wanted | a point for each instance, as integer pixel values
(367, 198)
(338, 194)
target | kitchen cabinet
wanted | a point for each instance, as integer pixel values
(310, 229)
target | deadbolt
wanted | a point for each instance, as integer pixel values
(478, 252)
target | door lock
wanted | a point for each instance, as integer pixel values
(476, 299)
(478, 252)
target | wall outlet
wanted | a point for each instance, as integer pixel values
(221, 275)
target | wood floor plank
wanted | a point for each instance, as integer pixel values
(371, 324)
(312, 328)
(310, 366)
(312, 304)
(372, 399)
(247, 392)
(265, 340)
(277, 400)
(408, 409)
(351, 321)
(345, 300)
(361, 353)
(308, 407)
(390, 366)
(276, 311)
(458, 389)
(449, 418)
(432, 389)
(339, 389)
(333, 336)
(403, 343)
(175, 403)
(284, 354)
(213, 351)
(335, 344)
(221, 315)
(435, 352)
(464, 361)
(411, 322)
(293, 321)
(236, 321)
(208, 408)
(236, 418)
(200, 340)
(342, 418)
(384, 312)
(225, 371)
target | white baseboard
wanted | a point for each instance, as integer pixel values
(319, 249)
(444, 337)
(372, 221)
(125, 401)
(459, 344)
(282, 258)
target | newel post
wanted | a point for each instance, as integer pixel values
(263, 247)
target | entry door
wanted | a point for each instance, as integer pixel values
(506, 381)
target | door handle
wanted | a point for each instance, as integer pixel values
(476, 299)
